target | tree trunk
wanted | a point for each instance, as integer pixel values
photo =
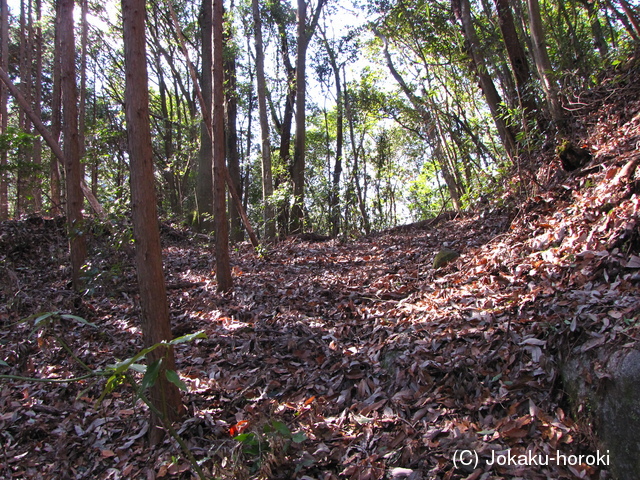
(267, 176)
(362, 207)
(37, 106)
(233, 157)
(156, 328)
(596, 29)
(23, 178)
(334, 195)
(517, 58)
(632, 16)
(285, 125)
(4, 98)
(220, 173)
(56, 105)
(204, 180)
(304, 34)
(543, 65)
(462, 10)
(297, 168)
(77, 241)
(82, 114)
(428, 121)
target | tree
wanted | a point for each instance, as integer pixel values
(462, 10)
(156, 327)
(305, 32)
(517, 58)
(220, 173)
(56, 124)
(543, 65)
(231, 135)
(334, 196)
(265, 147)
(75, 197)
(204, 180)
(4, 120)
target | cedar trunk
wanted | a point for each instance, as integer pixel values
(204, 180)
(77, 243)
(164, 395)
(223, 267)
(4, 64)
(297, 168)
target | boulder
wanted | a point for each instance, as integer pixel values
(444, 256)
(604, 390)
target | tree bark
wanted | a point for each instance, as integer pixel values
(632, 16)
(543, 65)
(334, 195)
(4, 98)
(56, 126)
(37, 106)
(156, 328)
(517, 58)
(265, 146)
(220, 173)
(596, 29)
(297, 168)
(204, 180)
(233, 157)
(77, 240)
(462, 10)
(304, 34)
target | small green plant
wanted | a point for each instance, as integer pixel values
(275, 436)
(117, 375)
(261, 250)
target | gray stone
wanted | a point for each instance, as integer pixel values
(604, 390)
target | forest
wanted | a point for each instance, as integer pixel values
(365, 239)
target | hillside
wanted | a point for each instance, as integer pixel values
(351, 359)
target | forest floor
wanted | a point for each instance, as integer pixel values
(344, 359)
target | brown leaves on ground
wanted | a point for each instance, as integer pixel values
(334, 360)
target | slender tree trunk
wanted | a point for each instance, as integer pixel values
(4, 98)
(362, 206)
(286, 124)
(267, 176)
(73, 176)
(153, 297)
(23, 180)
(56, 127)
(517, 58)
(428, 121)
(334, 195)
(543, 65)
(632, 16)
(298, 166)
(233, 157)
(204, 180)
(304, 34)
(220, 173)
(596, 29)
(37, 106)
(82, 118)
(462, 10)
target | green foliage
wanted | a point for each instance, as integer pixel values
(275, 436)
(117, 375)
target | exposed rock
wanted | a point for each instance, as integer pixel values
(444, 256)
(572, 157)
(604, 390)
